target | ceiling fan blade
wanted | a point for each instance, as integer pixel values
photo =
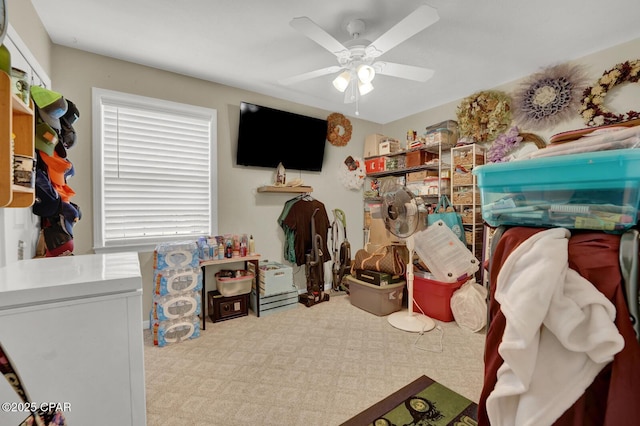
(309, 75)
(309, 28)
(403, 71)
(411, 25)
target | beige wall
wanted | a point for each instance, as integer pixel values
(595, 64)
(24, 19)
(241, 209)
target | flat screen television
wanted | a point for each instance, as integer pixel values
(267, 137)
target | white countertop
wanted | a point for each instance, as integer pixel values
(44, 280)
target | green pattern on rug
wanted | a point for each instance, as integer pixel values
(436, 405)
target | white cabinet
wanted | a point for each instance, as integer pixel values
(73, 329)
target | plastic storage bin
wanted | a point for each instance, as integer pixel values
(273, 277)
(434, 297)
(595, 190)
(445, 134)
(448, 258)
(378, 300)
(236, 285)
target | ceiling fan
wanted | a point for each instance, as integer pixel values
(357, 58)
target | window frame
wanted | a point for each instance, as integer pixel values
(100, 96)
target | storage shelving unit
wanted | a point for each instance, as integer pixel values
(403, 171)
(465, 196)
(17, 119)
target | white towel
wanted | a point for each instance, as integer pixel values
(559, 333)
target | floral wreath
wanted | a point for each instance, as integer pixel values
(593, 111)
(501, 150)
(484, 115)
(549, 96)
(338, 129)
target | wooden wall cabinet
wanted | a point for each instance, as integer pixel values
(17, 119)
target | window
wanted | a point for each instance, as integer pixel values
(154, 171)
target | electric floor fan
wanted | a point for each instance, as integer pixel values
(401, 215)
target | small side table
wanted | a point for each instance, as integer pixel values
(255, 259)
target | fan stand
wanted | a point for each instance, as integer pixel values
(408, 320)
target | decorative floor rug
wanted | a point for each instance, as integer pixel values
(422, 402)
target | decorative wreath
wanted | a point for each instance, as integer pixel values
(352, 173)
(549, 96)
(338, 129)
(593, 111)
(484, 115)
(502, 149)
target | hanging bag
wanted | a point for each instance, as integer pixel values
(469, 306)
(39, 416)
(445, 212)
(386, 259)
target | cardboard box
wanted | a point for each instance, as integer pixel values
(418, 158)
(375, 165)
(372, 143)
(389, 146)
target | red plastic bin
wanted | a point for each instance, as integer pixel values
(434, 297)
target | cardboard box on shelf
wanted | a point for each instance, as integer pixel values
(372, 144)
(375, 165)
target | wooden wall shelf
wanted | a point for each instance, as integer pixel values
(286, 189)
(15, 118)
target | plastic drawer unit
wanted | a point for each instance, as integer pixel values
(596, 190)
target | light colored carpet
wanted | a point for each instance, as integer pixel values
(304, 366)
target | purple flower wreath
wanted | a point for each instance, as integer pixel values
(503, 145)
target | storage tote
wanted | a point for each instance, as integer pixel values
(595, 190)
(234, 286)
(378, 300)
(434, 297)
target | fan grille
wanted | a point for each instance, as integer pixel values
(400, 212)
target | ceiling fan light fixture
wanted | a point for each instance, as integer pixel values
(342, 81)
(364, 88)
(366, 73)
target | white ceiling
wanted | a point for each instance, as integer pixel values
(249, 44)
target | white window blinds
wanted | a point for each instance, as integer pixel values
(156, 171)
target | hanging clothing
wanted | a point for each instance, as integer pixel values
(559, 333)
(611, 398)
(289, 234)
(298, 224)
